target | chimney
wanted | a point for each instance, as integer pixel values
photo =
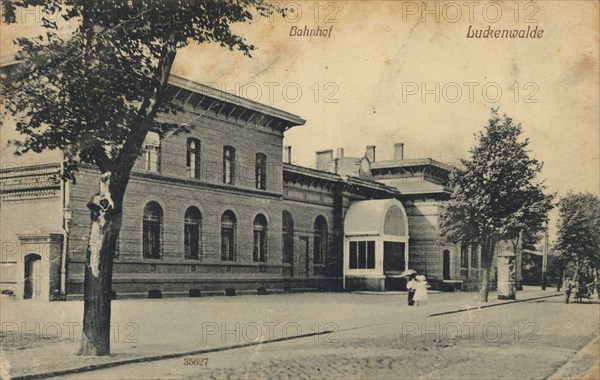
(287, 154)
(399, 151)
(340, 152)
(371, 153)
(324, 159)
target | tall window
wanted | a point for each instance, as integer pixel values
(193, 158)
(464, 256)
(287, 237)
(259, 253)
(474, 256)
(261, 171)
(153, 218)
(229, 165)
(192, 233)
(228, 227)
(362, 255)
(320, 239)
(151, 152)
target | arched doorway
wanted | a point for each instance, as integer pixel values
(32, 281)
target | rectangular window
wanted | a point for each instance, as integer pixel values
(229, 165)
(474, 256)
(193, 158)
(353, 252)
(261, 171)
(370, 255)
(464, 256)
(152, 158)
(362, 255)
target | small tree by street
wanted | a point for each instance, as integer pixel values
(496, 195)
(578, 238)
(95, 93)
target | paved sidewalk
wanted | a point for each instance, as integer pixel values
(146, 330)
(588, 357)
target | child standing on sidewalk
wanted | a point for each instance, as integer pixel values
(411, 287)
(420, 289)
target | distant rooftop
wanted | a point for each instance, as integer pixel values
(411, 162)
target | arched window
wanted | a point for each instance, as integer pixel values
(229, 165)
(193, 158)
(228, 227)
(261, 171)
(259, 253)
(287, 237)
(320, 239)
(153, 219)
(192, 233)
(394, 222)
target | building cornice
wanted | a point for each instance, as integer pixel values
(205, 99)
(30, 182)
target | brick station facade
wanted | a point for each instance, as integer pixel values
(222, 210)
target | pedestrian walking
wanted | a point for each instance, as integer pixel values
(410, 286)
(560, 283)
(420, 289)
(568, 288)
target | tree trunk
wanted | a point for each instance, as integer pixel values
(106, 214)
(487, 259)
(484, 289)
(577, 269)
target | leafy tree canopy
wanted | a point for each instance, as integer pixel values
(496, 192)
(94, 92)
(578, 238)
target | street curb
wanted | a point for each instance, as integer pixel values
(560, 372)
(117, 363)
(493, 305)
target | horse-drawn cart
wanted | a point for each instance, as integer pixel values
(584, 291)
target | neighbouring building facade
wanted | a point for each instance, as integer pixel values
(222, 210)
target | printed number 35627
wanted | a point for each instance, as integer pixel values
(195, 361)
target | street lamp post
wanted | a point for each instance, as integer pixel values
(545, 258)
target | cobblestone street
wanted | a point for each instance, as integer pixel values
(371, 336)
(522, 340)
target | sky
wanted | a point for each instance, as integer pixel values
(399, 71)
(394, 71)
(387, 75)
